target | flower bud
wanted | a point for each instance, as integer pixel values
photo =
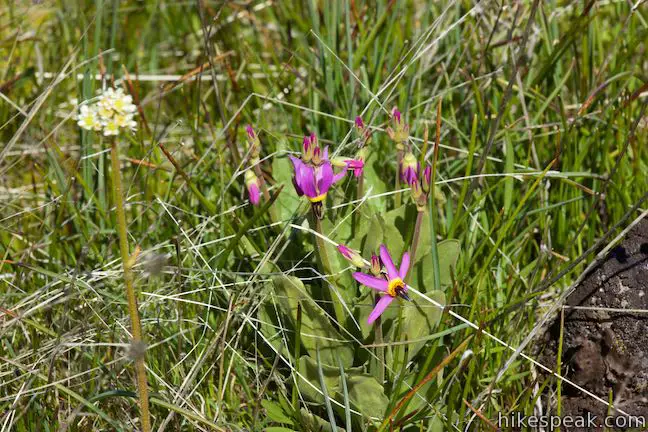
(352, 256)
(253, 142)
(339, 161)
(409, 169)
(400, 132)
(427, 179)
(252, 184)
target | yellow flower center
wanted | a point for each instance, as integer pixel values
(318, 198)
(394, 286)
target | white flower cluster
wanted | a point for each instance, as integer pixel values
(112, 112)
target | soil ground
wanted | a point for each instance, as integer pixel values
(606, 351)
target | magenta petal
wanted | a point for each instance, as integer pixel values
(325, 155)
(324, 177)
(380, 308)
(404, 266)
(308, 183)
(371, 282)
(298, 188)
(297, 164)
(339, 176)
(253, 190)
(306, 180)
(389, 264)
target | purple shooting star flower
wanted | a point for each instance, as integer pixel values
(392, 287)
(314, 174)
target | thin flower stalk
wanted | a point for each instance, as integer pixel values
(399, 133)
(324, 261)
(127, 262)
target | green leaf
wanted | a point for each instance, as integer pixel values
(311, 422)
(420, 318)
(449, 251)
(309, 380)
(316, 327)
(278, 429)
(367, 395)
(270, 326)
(374, 175)
(340, 232)
(275, 412)
(395, 225)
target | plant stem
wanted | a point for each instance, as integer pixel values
(360, 187)
(136, 326)
(415, 237)
(380, 349)
(325, 266)
(397, 198)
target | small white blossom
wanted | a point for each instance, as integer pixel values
(125, 121)
(123, 103)
(113, 111)
(88, 118)
(111, 128)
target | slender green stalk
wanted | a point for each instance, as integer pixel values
(360, 192)
(397, 197)
(325, 265)
(415, 237)
(380, 349)
(136, 326)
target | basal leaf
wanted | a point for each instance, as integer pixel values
(449, 251)
(420, 318)
(316, 327)
(367, 395)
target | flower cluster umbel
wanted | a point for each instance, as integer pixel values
(314, 173)
(400, 132)
(113, 111)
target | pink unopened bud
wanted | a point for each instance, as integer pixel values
(352, 256)
(427, 179)
(409, 169)
(396, 114)
(252, 184)
(253, 143)
(359, 123)
(400, 131)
